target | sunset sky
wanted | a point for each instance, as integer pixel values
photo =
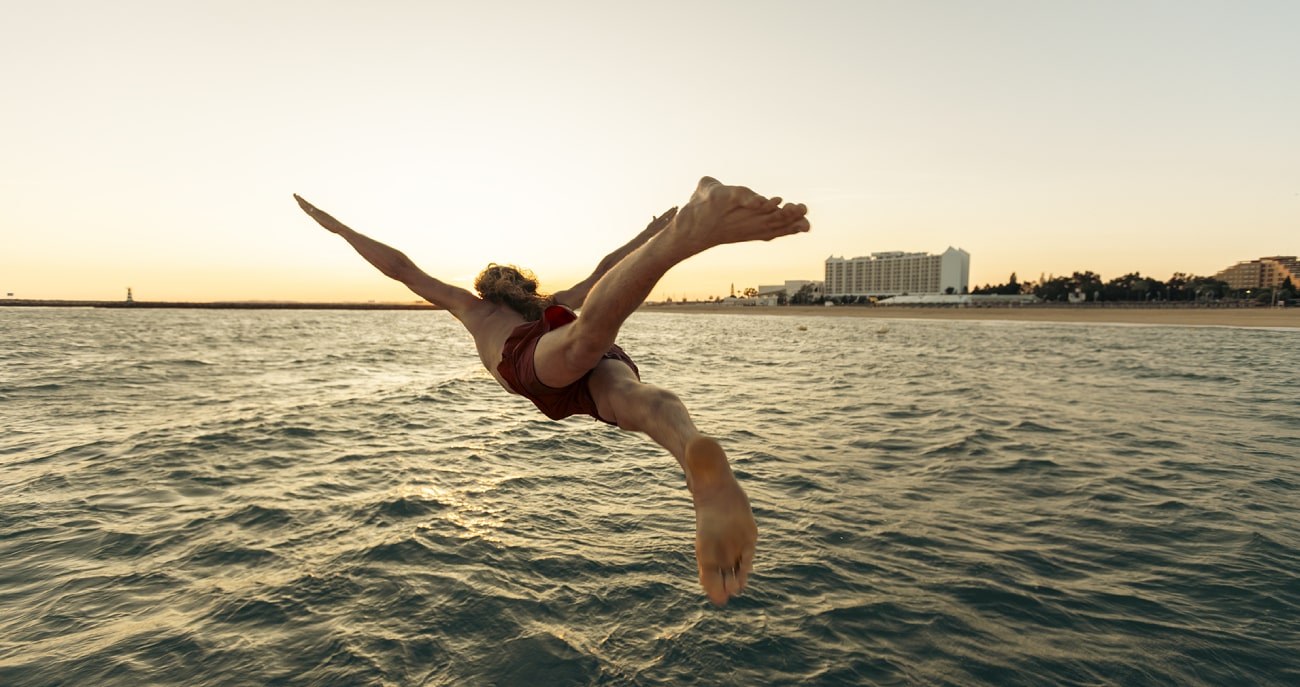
(156, 144)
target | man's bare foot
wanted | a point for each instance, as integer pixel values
(718, 214)
(725, 532)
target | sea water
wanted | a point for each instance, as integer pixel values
(200, 497)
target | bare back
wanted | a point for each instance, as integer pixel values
(490, 324)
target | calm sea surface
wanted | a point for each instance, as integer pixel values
(193, 497)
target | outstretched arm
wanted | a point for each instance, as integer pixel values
(575, 295)
(394, 264)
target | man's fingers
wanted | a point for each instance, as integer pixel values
(322, 218)
(662, 220)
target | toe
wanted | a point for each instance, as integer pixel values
(731, 583)
(745, 567)
(714, 586)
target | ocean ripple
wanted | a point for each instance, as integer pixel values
(305, 498)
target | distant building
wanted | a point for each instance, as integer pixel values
(1264, 273)
(961, 301)
(791, 287)
(894, 273)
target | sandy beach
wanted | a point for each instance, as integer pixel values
(1190, 316)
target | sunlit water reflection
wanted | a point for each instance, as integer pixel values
(279, 497)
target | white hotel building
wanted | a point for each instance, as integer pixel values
(896, 273)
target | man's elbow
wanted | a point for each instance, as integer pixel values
(570, 298)
(402, 269)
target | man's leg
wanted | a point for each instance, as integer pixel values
(716, 214)
(725, 533)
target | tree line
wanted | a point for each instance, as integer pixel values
(1134, 287)
(1087, 286)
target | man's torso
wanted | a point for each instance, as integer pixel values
(490, 325)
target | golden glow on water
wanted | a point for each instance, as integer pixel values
(470, 515)
(982, 503)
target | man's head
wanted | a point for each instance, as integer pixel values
(512, 287)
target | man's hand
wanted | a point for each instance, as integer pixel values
(657, 224)
(323, 218)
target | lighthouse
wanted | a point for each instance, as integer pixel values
(128, 295)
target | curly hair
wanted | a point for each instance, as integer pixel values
(513, 287)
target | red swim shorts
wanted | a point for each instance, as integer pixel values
(517, 369)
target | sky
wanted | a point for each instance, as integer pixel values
(156, 144)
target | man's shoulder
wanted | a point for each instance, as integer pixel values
(486, 315)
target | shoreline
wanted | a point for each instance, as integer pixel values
(1196, 316)
(1184, 315)
(215, 305)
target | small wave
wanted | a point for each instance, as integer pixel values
(796, 484)
(1030, 426)
(252, 612)
(260, 517)
(46, 386)
(223, 554)
(1167, 444)
(297, 432)
(1028, 465)
(540, 659)
(403, 507)
(406, 550)
(1183, 375)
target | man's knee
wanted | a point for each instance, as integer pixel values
(585, 351)
(642, 402)
(656, 398)
(563, 356)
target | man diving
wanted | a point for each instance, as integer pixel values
(536, 347)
